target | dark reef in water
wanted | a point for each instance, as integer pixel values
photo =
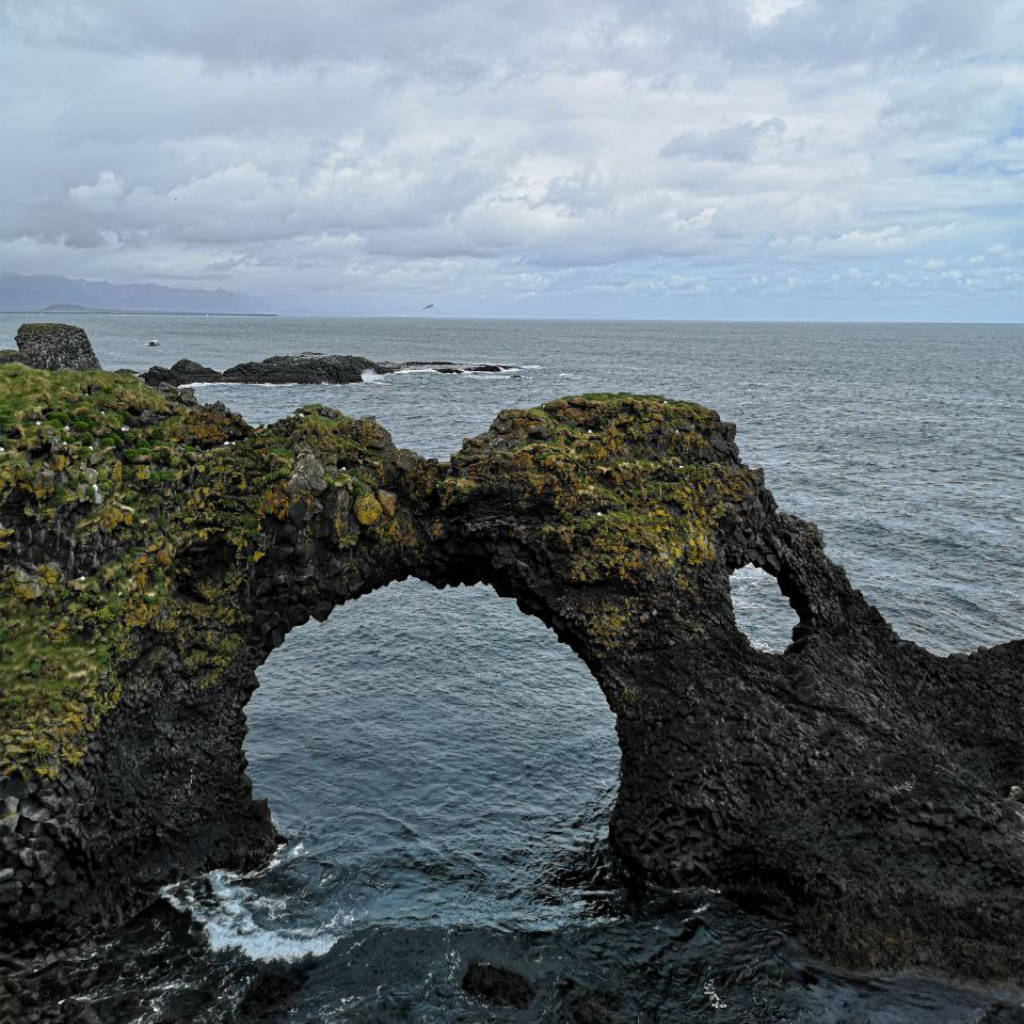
(304, 368)
(497, 985)
(153, 552)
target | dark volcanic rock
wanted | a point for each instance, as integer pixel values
(856, 784)
(184, 371)
(497, 985)
(307, 368)
(55, 347)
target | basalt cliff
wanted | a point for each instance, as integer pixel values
(154, 551)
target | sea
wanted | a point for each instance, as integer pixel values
(443, 770)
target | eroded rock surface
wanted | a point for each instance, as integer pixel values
(154, 552)
(54, 347)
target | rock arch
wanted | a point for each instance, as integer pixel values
(455, 689)
(761, 610)
(856, 783)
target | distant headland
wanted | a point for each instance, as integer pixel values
(51, 293)
(69, 308)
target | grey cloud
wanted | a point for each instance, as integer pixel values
(511, 150)
(737, 144)
(87, 239)
(459, 42)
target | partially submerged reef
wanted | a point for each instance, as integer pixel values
(153, 552)
(303, 368)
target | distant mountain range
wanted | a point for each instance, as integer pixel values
(23, 293)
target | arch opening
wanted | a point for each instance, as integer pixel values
(761, 610)
(436, 756)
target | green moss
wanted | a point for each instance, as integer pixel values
(163, 480)
(177, 503)
(629, 484)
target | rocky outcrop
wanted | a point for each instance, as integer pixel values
(54, 347)
(154, 552)
(184, 371)
(305, 368)
(308, 368)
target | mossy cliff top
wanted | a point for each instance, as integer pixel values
(624, 485)
(131, 516)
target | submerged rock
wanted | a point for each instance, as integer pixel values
(55, 347)
(497, 985)
(153, 552)
(445, 367)
(273, 987)
(594, 1011)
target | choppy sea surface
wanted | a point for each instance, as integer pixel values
(444, 770)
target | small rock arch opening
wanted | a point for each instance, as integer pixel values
(440, 750)
(761, 610)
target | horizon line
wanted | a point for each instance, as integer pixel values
(523, 319)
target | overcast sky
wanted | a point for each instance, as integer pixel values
(731, 159)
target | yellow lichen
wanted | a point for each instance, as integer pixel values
(368, 509)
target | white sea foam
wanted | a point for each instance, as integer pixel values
(233, 916)
(463, 368)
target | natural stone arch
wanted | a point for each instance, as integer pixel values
(856, 784)
(498, 694)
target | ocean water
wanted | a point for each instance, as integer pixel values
(444, 770)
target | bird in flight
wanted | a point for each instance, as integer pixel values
(429, 305)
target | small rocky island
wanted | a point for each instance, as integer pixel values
(154, 551)
(304, 368)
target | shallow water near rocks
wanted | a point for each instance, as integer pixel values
(443, 770)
